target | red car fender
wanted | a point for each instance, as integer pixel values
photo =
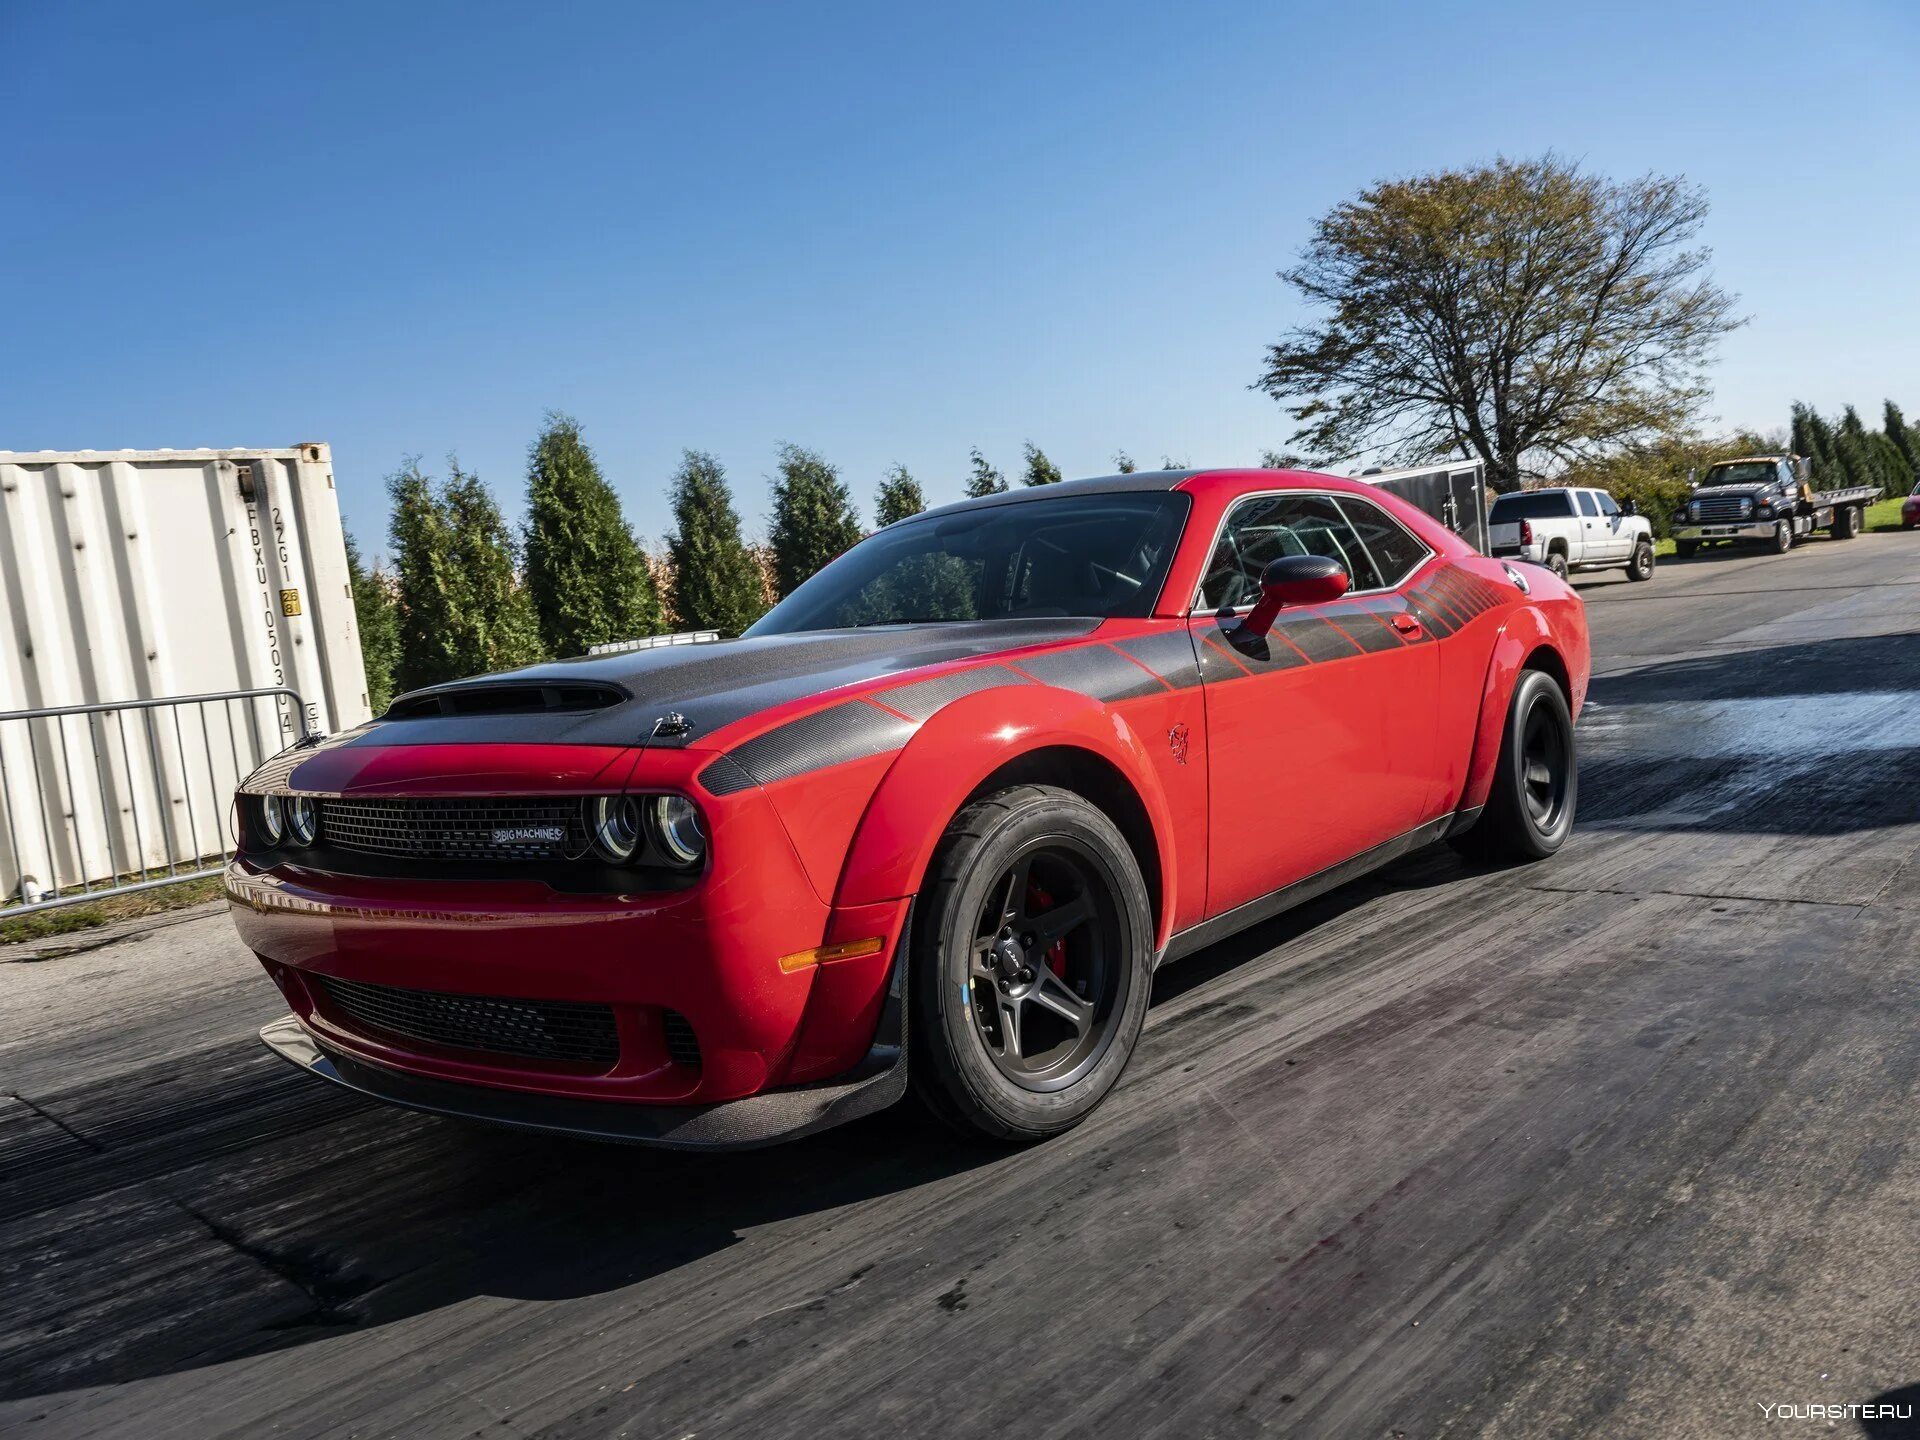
(958, 749)
(1526, 631)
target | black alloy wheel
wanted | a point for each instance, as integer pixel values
(1046, 972)
(1536, 785)
(1031, 965)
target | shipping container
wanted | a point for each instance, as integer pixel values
(142, 575)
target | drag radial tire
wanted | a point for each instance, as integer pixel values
(1032, 964)
(1641, 566)
(1530, 810)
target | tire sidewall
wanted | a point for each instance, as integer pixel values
(1641, 566)
(942, 953)
(1557, 563)
(1536, 688)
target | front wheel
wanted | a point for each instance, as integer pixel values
(1529, 812)
(1685, 549)
(1032, 965)
(1641, 566)
(1782, 537)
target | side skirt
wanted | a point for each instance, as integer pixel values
(1265, 907)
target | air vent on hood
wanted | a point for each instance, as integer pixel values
(505, 700)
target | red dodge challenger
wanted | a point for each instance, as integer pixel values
(932, 822)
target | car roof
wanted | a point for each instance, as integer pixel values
(1095, 485)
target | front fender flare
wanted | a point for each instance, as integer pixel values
(963, 744)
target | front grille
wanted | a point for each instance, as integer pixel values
(1719, 509)
(539, 827)
(572, 1032)
(683, 1046)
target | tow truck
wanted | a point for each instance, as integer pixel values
(1767, 500)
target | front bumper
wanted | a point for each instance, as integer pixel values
(763, 1119)
(1746, 530)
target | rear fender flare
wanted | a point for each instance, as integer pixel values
(956, 750)
(1524, 634)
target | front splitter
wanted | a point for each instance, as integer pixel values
(744, 1124)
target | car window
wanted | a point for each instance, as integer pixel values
(1607, 507)
(1530, 505)
(1393, 549)
(1094, 555)
(1587, 507)
(1263, 528)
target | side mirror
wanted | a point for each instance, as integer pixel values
(1294, 580)
(1629, 506)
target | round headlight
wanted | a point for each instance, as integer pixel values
(303, 819)
(677, 830)
(273, 824)
(615, 823)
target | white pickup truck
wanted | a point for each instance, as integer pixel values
(1567, 529)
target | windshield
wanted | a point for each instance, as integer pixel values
(1530, 505)
(1077, 555)
(1742, 472)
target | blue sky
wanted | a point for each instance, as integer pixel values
(887, 232)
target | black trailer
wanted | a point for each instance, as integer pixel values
(1454, 494)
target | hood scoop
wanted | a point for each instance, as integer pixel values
(505, 699)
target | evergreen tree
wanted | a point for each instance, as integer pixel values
(462, 608)
(377, 618)
(1123, 463)
(898, 497)
(496, 627)
(1040, 470)
(417, 538)
(813, 518)
(1906, 438)
(985, 480)
(586, 572)
(1801, 441)
(716, 583)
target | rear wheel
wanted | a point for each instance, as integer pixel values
(1640, 567)
(1846, 522)
(1557, 563)
(1529, 812)
(1032, 955)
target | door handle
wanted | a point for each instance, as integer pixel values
(1406, 625)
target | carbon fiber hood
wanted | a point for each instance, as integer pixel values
(714, 684)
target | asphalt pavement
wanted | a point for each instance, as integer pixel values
(1620, 1144)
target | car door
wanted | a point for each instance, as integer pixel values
(1620, 535)
(1320, 735)
(1592, 542)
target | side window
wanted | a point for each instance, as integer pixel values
(1607, 507)
(1394, 551)
(1587, 506)
(1264, 528)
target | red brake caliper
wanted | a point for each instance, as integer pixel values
(1056, 952)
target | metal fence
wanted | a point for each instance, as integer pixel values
(105, 799)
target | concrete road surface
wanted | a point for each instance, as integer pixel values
(1621, 1144)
